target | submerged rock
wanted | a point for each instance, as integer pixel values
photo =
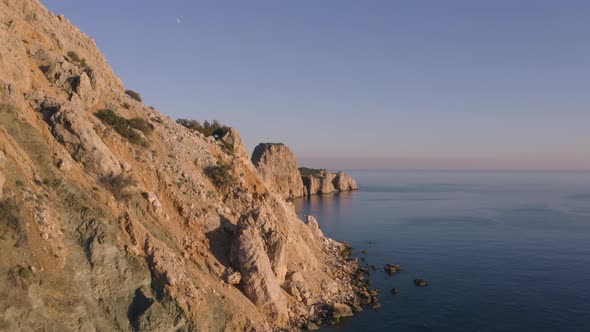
(420, 282)
(392, 268)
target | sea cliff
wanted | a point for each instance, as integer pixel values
(116, 218)
(277, 165)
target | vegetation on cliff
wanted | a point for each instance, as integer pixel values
(215, 128)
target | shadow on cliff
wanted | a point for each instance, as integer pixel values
(220, 241)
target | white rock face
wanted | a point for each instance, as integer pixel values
(343, 182)
(71, 127)
(321, 181)
(278, 167)
(259, 281)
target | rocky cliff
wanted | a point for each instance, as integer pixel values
(115, 218)
(277, 165)
(321, 181)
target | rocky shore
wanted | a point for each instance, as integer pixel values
(321, 181)
(116, 218)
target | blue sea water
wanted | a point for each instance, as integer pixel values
(502, 251)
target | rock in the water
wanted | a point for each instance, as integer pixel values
(312, 326)
(420, 282)
(321, 181)
(278, 167)
(342, 310)
(392, 268)
(394, 290)
(343, 182)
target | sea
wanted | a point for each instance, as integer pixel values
(501, 251)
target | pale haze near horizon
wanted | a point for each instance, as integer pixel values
(357, 84)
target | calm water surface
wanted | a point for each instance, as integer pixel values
(503, 251)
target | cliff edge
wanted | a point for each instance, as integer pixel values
(277, 165)
(115, 218)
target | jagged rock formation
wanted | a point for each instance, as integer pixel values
(139, 226)
(321, 181)
(278, 167)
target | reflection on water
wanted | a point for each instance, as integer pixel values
(501, 251)
(330, 208)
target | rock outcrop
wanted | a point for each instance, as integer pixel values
(321, 181)
(136, 223)
(278, 167)
(2, 176)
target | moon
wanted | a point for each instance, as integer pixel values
(177, 20)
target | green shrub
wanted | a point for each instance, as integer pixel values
(142, 125)
(215, 128)
(25, 273)
(133, 95)
(126, 128)
(75, 58)
(310, 171)
(220, 174)
(118, 184)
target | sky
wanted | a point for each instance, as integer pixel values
(364, 84)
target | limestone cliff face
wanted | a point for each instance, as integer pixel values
(135, 227)
(321, 181)
(278, 167)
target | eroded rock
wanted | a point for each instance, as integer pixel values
(278, 167)
(71, 127)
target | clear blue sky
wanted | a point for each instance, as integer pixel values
(501, 80)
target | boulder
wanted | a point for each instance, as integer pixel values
(72, 79)
(392, 268)
(341, 310)
(259, 283)
(278, 167)
(420, 282)
(232, 277)
(152, 198)
(312, 223)
(71, 127)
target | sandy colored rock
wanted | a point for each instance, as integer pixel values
(343, 182)
(278, 167)
(131, 237)
(321, 181)
(2, 171)
(341, 310)
(71, 127)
